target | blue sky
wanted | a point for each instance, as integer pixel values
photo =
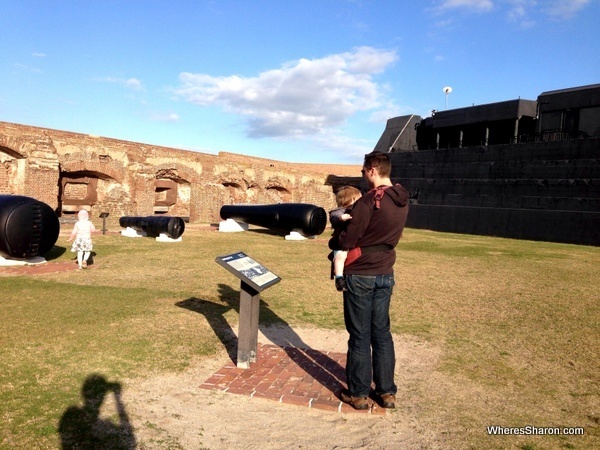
(299, 81)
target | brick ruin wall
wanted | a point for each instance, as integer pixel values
(69, 171)
(538, 191)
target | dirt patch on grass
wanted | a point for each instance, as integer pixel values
(171, 411)
(39, 269)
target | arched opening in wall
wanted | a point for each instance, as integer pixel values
(77, 191)
(279, 194)
(12, 172)
(236, 192)
(172, 197)
(93, 191)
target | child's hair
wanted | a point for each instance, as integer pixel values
(346, 196)
(83, 215)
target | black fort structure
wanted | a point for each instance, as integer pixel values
(520, 169)
(28, 228)
(154, 226)
(306, 219)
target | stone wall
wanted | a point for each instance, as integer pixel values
(541, 191)
(70, 171)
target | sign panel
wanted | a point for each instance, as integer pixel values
(248, 270)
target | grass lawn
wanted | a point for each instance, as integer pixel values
(517, 324)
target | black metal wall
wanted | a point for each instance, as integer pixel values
(547, 191)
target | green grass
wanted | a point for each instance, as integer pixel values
(516, 325)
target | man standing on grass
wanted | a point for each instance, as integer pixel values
(378, 219)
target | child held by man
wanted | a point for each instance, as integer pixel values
(339, 217)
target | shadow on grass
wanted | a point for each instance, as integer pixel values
(55, 252)
(266, 231)
(81, 427)
(257, 229)
(314, 362)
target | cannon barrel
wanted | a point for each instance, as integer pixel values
(308, 220)
(155, 225)
(28, 227)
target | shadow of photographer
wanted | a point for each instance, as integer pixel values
(81, 427)
(314, 362)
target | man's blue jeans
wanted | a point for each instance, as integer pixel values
(367, 317)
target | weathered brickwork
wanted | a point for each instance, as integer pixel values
(69, 171)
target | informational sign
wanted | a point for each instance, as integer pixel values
(254, 278)
(249, 271)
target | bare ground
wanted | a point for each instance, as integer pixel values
(171, 411)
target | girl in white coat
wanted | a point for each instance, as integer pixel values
(82, 233)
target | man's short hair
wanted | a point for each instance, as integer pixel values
(379, 160)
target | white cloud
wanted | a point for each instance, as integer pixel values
(349, 148)
(518, 9)
(25, 68)
(302, 98)
(387, 111)
(134, 84)
(525, 13)
(519, 12)
(38, 55)
(164, 117)
(564, 9)
(130, 83)
(474, 5)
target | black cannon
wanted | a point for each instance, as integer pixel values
(28, 227)
(155, 225)
(308, 220)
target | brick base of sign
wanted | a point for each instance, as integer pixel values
(302, 377)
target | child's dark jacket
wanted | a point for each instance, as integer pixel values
(375, 224)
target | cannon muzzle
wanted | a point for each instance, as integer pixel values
(308, 220)
(28, 227)
(155, 225)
